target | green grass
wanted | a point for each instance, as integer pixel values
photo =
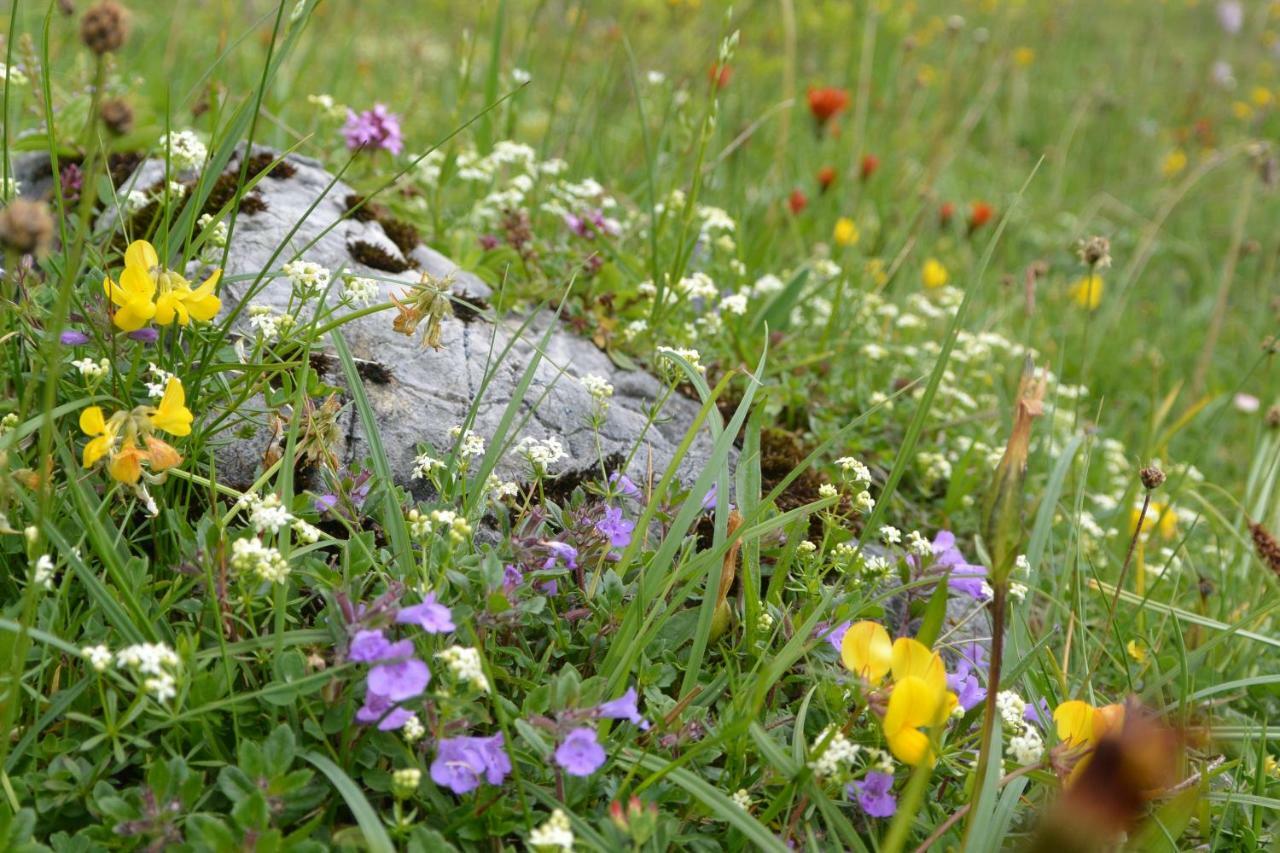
(1069, 120)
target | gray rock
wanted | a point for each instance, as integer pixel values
(420, 394)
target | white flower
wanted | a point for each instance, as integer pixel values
(806, 547)
(857, 471)
(406, 780)
(767, 285)
(918, 545)
(306, 277)
(690, 355)
(160, 381)
(42, 572)
(556, 834)
(597, 386)
(1027, 747)
(837, 756)
(135, 201)
(826, 490)
(215, 230)
(742, 799)
(1011, 707)
(185, 150)
(328, 106)
(698, 286)
(413, 730)
(92, 371)
(1017, 591)
(99, 657)
(267, 514)
(12, 186)
(655, 78)
(267, 323)
(357, 290)
(540, 455)
(12, 75)
(519, 76)
(250, 556)
(306, 532)
(890, 535)
(424, 465)
(470, 446)
(864, 503)
(734, 303)
(464, 663)
(764, 622)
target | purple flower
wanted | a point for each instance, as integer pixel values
(1231, 16)
(324, 503)
(148, 335)
(368, 647)
(561, 551)
(616, 528)
(709, 499)
(489, 241)
(381, 710)
(1038, 713)
(968, 579)
(624, 484)
(964, 683)
(72, 181)
(373, 129)
(834, 636)
(580, 754)
(874, 794)
(431, 616)
(625, 707)
(460, 761)
(512, 576)
(580, 226)
(398, 681)
(73, 338)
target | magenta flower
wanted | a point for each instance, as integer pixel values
(875, 794)
(580, 754)
(625, 707)
(373, 129)
(460, 762)
(431, 616)
(615, 528)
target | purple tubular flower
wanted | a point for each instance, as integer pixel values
(73, 338)
(964, 577)
(874, 794)
(381, 710)
(709, 499)
(400, 680)
(512, 576)
(624, 485)
(431, 616)
(835, 636)
(580, 754)
(460, 761)
(561, 551)
(373, 129)
(368, 647)
(147, 335)
(1039, 713)
(324, 503)
(616, 528)
(625, 707)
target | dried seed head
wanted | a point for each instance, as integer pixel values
(26, 226)
(1152, 477)
(1270, 345)
(117, 115)
(1273, 417)
(1267, 547)
(104, 27)
(1095, 252)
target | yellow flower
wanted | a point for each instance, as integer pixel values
(1174, 162)
(846, 232)
(867, 651)
(146, 291)
(102, 436)
(1159, 517)
(172, 415)
(1024, 56)
(1080, 726)
(1261, 96)
(1087, 292)
(876, 272)
(1242, 110)
(919, 699)
(1136, 651)
(934, 274)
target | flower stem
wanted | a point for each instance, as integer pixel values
(993, 688)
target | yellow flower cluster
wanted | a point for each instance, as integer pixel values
(117, 438)
(919, 697)
(147, 291)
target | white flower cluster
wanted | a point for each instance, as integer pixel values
(266, 322)
(42, 572)
(93, 371)
(690, 355)
(250, 556)
(890, 535)
(854, 469)
(159, 380)
(598, 387)
(555, 834)
(328, 106)
(1025, 745)
(424, 465)
(470, 445)
(918, 545)
(99, 657)
(185, 150)
(266, 514)
(500, 490)
(742, 799)
(838, 756)
(357, 290)
(306, 277)
(413, 730)
(540, 454)
(405, 781)
(698, 286)
(464, 663)
(734, 303)
(155, 662)
(826, 490)
(422, 525)
(12, 75)
(215, 231)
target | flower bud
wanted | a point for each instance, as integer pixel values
(104, 27)
(1151, 477)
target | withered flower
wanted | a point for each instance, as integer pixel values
(428, 300)
(1002, 510)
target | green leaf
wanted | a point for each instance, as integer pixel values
(375, 835)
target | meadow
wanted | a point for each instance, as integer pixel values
(779, 425)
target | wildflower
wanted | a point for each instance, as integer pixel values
(742, 799)
(624, 484)
(580, 754)
(383, 711)
(826, 490)
(890, 535)
(797, 201)
(1026, 747)
(864, 503)
(836, 756)
(26, 226)
(464, 664)
(251, 556)
(1230, 16)
(598, 387)
(519, 76)
(413, 730)
(1023, 57)
(1011, 707)
(431, 616)
(117, 437)
(874, 794)
(615, 527)
(690, 355)
(1136, 651)
(1087, 292)
(980, 214)
(555, 834)
(934, 275)
(146, 291)
(185, 150)
(826, 177)
(93, 371)
(846, 232)
(73, 338)
(867, 651)
(156, 662)
(869, 165)
(104, 27)
(825, 103)
(371, 646)
(373, 129)
(1095, 252)
(964, 681)
(405, 782)
(42, 574)
(625, 707)
(267, 515)
(735, 304)
(855, 469)
(461, 762)
(305, 277)
(424, 465)
(1160, 518)
(1080, 726)
(540, 455)
(99, 657)
(1174, 163)
(429, 300)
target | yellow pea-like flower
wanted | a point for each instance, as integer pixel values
(147, 291)
(867, 651)
(934, 275)
(1087, 292)
(94, 425)
(913, 704)
(172, 415)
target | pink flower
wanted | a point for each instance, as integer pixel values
(373, 129)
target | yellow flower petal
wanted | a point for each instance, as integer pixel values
(166, 307)
(161, 455)
(910, 746)
(867, 651)
(126, 466)
(95, 450)
(914, 658)
(203, 308)
(1074, 721)
(91, 421)
(172, 415)
(134, 314)
(141, 255)
(912, 704)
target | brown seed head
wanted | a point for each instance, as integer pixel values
(1152, 477)
(1273, 417)
(117, 115)
(26, 226)
(1267, 547)
(1096, 252)
(104, 27)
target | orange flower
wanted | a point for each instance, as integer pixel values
(720, 75)
(826, 177)
(797, 201)
(826, 102)
(945, 213)
(870, 163)
(980, 214)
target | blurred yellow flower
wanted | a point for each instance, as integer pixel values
(146, 291)
(1174, 163)
(846, 232)
(934, 274)
(1242, 110)
(1261, 96)
(1160, 517)
(1136, 651)
(1080, 726)
(1087, 292)
(1024, 56)
(876, 272)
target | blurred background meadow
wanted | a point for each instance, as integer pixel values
(894, 208)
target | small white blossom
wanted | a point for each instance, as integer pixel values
(597, 386)
(357, 290)
(918, 545)
(1027, 747)
(519, 76)
(250, 556)
(742, 799)
(464, 663)
(836, 757)
(735, 303)
(185, 150)
(305, 277)
(890, 535)
(413, 730)
(92, 371)
(555, 834)
(99, 657)
(826, 490)
(540, 454)
(42, 572)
